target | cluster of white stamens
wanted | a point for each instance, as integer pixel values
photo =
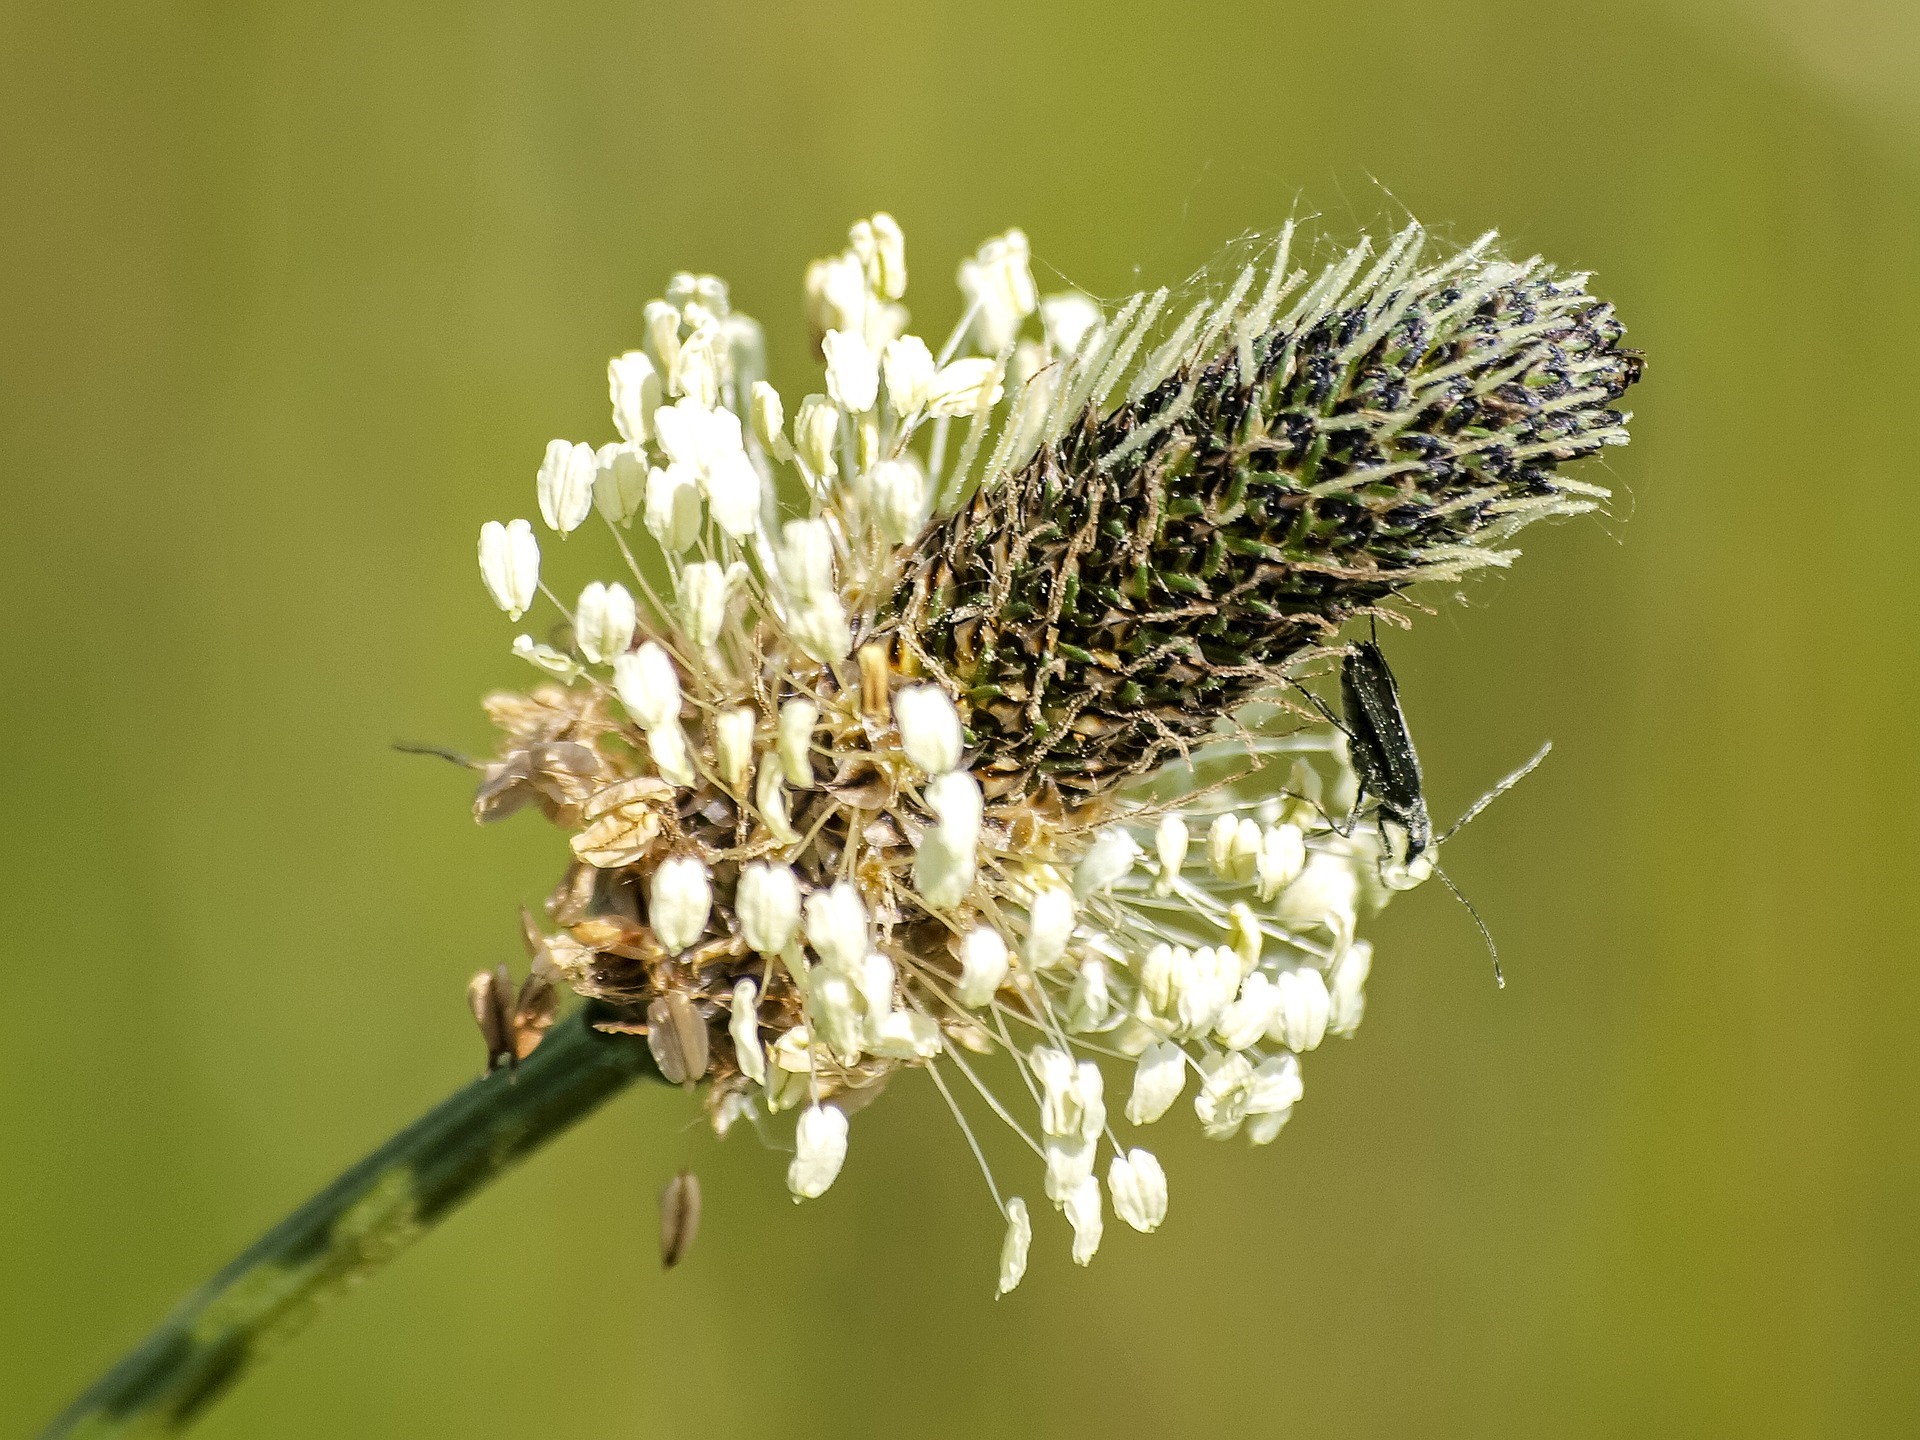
(783, 834)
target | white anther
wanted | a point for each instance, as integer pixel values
(908, 368)
(510, 565)
(1159, 1075)
(1108, 859)
(743, 1024)
(820, 1149)
(679, 899)
(634, 387)
(983, 967)
(1138, 1186)
(565, 485)
(733, 746)
(795, 741)
(929, 728)
(603, 622)
(648, 685)
(1170, 840)
(1050, 921)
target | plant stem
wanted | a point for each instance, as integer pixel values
(350, 1229)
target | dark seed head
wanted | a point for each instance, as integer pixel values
(1111, 598)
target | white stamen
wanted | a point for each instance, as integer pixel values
(1303, 1010)
(1283, 854)
(734, 492)
(678, 901)
(816, 436)
(885, 256)
(1084, 1213)
(770, 799)
(1049, 927)
(908, 367)
(603, 622)
(1275, 1085)
(1071, 322)
(983, 967)
(1225, 1088)
(820, 1149)
(619, 482)
(1069, 1161)
(705, 590)
(648, 685)
(770, 421)
(833, 1006)
(1108, 859)
(744, 1026)
(634, 387)
(795, 741)
(565, 485)
(902, 498)
(733, 746)
(673, 507)
(1159, 1076)
(998, 284)
(944, 865)
(545, 656)
(1220, 845)
(510, 565)
(853, 376)
(905, 1035)
(1326, 895)
(662, 324)
(1345, 988)
(1244, 936)
(837, 926)
(929, 728)
(1138, 1186)
(964, 387)
(1245, 1019)
(1243, 858)
(1170, 840)
(768, 904)
(1013, 1250)
(1090, 1000)
(667, 744)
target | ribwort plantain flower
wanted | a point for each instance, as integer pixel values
(941, 714)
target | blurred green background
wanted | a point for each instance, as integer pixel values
(294, 296)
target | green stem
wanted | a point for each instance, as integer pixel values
(350, 1229)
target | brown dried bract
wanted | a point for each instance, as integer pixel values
(556, 775)
(863, 784)
(617, 935)
(549, 712)
(489, 997)
(679, 1218)
(625, 822)
(572, 900)
(533, 1014)
(677, 1036)
(512, 1026)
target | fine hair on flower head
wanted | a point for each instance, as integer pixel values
(939, 713)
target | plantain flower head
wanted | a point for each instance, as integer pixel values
(936, 719)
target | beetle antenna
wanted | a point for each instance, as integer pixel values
(1497, 791)
(453, 757)
(1485, 934)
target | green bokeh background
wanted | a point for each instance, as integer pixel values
(294, 295)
